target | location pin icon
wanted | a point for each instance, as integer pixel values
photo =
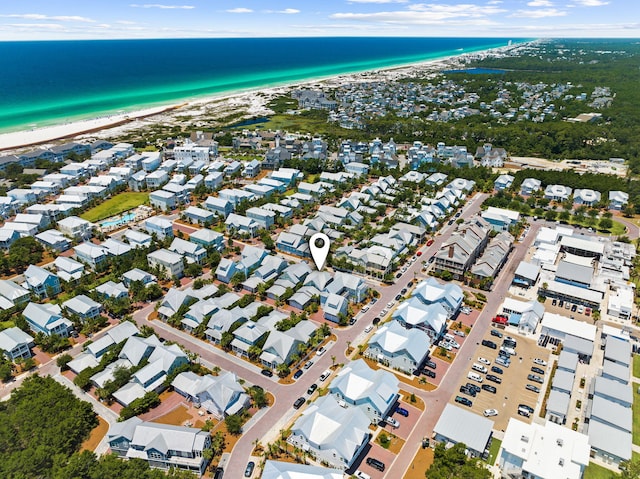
(319, 246)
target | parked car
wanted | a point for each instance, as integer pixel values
(535, 379)
(219, 473)
(398, 297)
(368, 328)
(403, 291)
(464, 401)
(298, 403)
(489, 388)
(375, 463)
(457, 332)
(510, 342)
(392, 422)
(496, 333)
(533, 388)
(430, 364)
(474, 387)
(524, 412)
(402, 411)
(539, 361)
(308, 364)
(493, 378)
(267, 372)
(362, 475)
(574, 308)
(312, 389)
(249, 470)
(554, 302)
(429, 373)
(561, 303)
(502, 361)
(467, 391)
(320, 351)
(489, 344)
(524, 406)
(430, 242)
(297, 374)
(484, 360)
(497, 370)
(537, 370)
(490, 412)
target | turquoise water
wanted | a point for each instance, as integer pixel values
(46, 83)
(121, 221)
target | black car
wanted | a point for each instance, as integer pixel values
(312, 389)
(489, 344)
(467, 391)
(297, 374)
(402, 411)
(430, 364)
(398, 297)
(299, 402)
(538, 370)
(535, 379)
(473, 387)
(561, 303)
(409, 284)
(429, 373)
(573, 308)
(249, 470)
(533, 388)
(497, 370)
(496, 333)
(219, 473)
(398, 275)
(267, 372)
(524, 406)
(403, 291)
(488, 387)
(463, 401)
(375, 463)
(494, 379)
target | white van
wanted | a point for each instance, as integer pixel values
(325, 375)
(450, 337)
(476, 377)
(479, 367)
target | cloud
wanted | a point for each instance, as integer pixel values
(286, 11)
(540, 3)
(126, 22)
(58, 18)
(239, 10)
(427, 14)
(45, 26)
(162, 7)
(378, 1)
(589, 3)
(541, 13)
(494, 2)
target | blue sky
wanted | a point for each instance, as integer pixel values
(79, 19)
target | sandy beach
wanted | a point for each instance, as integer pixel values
(253, 103)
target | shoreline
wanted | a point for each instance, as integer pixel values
(249, 97)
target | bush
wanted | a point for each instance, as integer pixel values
(140, 406)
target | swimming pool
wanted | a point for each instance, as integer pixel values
(120, 221)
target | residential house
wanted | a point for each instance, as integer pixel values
(287, 470)
(331, 433)
(374, 392)
(251, 169)
(557, 193)
(112, 290)
(618, 200)
(41, 282)
(530, 186)
(198, 215)
(90, 254)
(249, 335)
(208, 238)
(213, 180)
(586, 197)
(16, 344)
(8, 237)
(12, 295)
(503, 182)
(172, 263)
(76, 228)
(138, 239)
(458, 253)
(137, 274)
(54, 240)
(458, 425)
(399, 348)
(163, 200)
(192, 251)
(83, 307)
(220, 395)
(219, 206)
(68, 269)
(225, 270)
(47, 319)
(162, 227)
(242, 225)
(156, 179)
(263, 217)
(162, 446)
(334, 307)
(500, 219)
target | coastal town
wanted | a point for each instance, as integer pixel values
(471, 304)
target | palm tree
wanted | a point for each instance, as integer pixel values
(333, 360)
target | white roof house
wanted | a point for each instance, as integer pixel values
(372, 391)
(15, 343)
(288, 470)
(586, 196)
(461, 425)
(556, 324)
(399, 347)
(557, 192)
(449, 295)
(334, 434)
(547, 451)
(431, 318)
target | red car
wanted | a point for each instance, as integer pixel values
(430, 242)
(419, 253)
(500, 319)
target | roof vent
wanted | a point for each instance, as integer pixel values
(559, 442)
(561, 462)
(524, 438)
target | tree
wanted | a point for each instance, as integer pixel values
(259, 397)
(453, 464)
(630, 469)
(238, 278)
(605, 224)
(193, 270)
(234, 424)
(225, 340)
(283, 370)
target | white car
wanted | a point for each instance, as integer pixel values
(365, 309)
(453, 344)
(392, 422)
(362, 475)
(539, 361)
(447, 346)
(490, 412)
(320, 351)
(368, 328)
(484, 361)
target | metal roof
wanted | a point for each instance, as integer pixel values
(461, 425)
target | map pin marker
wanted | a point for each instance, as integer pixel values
(319, 246)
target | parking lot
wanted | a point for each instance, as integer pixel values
(585, 316)
(511, 392)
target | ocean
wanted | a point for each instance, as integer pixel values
(53, 82)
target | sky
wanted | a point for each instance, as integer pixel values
(105, 19)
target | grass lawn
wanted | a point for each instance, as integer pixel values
(595, 471)
(636, 365)
(6, 324)
(116, 205)
(493, 451)
(636, 414)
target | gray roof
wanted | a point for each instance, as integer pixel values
(615, 370)
(461, 425)
(568, 360)
(528, 270)
(580, 345)
(81, 304)
(11, 338)
(610, 439)
(618, 350)
(558, 402)
(287, 470)
(574, 272)
(613, 389)
(612, 413)
(563, 380)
